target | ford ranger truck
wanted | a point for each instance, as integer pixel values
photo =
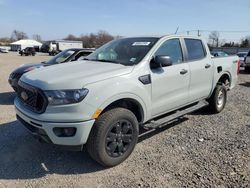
(125, 85)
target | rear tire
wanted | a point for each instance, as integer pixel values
(113, 137)
(218, 99)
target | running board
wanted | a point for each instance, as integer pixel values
(179, 113)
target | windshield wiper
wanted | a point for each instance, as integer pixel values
(103, 60)
(106, 60)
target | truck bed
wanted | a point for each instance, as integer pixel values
(227, 64)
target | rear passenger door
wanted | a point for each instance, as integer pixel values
(201, 69)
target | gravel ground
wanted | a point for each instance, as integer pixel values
(201, 150)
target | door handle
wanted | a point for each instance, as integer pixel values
(183, 71)
(207, 66)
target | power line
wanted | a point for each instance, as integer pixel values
(226, 31)
(220, 31)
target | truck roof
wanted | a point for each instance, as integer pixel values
(166, 36)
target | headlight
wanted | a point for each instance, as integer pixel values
(61, 97)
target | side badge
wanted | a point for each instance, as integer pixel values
(145, 79)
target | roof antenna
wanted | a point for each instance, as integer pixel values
(176, 30)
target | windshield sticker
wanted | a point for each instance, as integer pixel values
(141, 43)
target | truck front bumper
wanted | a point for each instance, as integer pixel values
(46, 130)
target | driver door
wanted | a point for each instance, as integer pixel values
(170, 85)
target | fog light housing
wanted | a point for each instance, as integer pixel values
(64, 131)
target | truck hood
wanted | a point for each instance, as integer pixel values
(73, 75)
(26, 67)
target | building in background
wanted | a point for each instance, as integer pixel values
(24, 43)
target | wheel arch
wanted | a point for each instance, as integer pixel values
(134, 104)
(225, 76)
(220, 80)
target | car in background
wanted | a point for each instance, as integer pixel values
(28, 51)
(247, 62)
(74, 54)
(242, 56)
(219, 54)
(4, 50)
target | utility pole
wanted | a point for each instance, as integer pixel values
(199, 33)
(176, 30)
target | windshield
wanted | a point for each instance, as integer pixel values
(127, 51)
(61, 57)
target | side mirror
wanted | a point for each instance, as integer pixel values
(161, 61)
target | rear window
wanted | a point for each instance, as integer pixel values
(195, 49)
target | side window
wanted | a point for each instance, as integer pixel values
(195, 49)
(81, 56)
(171, 48)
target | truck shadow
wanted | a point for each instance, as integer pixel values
(7, 98)
(145, 134)
(246, 84)
(23, 157)
(243, 72)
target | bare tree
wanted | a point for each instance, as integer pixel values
(71, 37)
(92, 40)
(245, 42)
(214, 38)
(6, 40)
(37, 37)
(103, 37)
(18, 35)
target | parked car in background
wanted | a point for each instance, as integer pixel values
(247, 62)
(28, 51)
(4, 50)
(242, 56)
(124, 85)
(219, 54)
(74, 54)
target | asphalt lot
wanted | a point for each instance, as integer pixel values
(202, 150)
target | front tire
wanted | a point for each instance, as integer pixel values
(113, 137)
(218, 99)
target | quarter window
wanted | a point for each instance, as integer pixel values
(195, 49)
(171, 48)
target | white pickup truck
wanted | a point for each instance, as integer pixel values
(124, 85)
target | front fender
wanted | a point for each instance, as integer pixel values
(103, 93)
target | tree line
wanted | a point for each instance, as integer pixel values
(216, 41)
(94, 40)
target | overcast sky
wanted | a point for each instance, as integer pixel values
(54, 19)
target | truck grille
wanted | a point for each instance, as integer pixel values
(32, 98)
